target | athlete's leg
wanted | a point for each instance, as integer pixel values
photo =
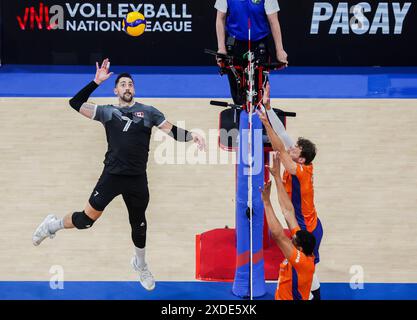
(318, 234)
(315, 286)
(106, 189)
(136, 204)
(89, 211)
(136, 200)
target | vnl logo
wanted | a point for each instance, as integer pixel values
(360, 18)
(43, 18)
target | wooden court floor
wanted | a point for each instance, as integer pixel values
(365, 189)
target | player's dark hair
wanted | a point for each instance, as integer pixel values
(123, 75)
(308, 149)
(305, 240)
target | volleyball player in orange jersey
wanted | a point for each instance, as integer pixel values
(297, 178)
(296, 271)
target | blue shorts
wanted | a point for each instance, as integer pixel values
(318, 234)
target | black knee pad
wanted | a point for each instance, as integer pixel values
(81, 221)
(139, 228)
(139, 234)
(142, 228)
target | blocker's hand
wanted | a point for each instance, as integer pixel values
(262, 115)
(276, 166)
(266, 191)
(266, 99)
(102, 73)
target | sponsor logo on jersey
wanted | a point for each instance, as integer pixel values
(297, 260)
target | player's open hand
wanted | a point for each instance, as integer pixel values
(262, 115)
(266, 99)
(266, 191)
(102, 73)
(199, 140)
(275, 169)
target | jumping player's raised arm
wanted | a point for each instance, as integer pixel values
(79, 101)
(182, 135)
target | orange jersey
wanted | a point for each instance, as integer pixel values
(301, 192)
(295, 277)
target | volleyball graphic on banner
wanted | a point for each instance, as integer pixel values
(134, 24)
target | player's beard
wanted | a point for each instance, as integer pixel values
(127, 97)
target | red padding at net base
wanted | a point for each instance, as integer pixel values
(216, 256)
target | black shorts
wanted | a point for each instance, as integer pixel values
(134, 190)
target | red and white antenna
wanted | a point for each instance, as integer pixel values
(249, 109)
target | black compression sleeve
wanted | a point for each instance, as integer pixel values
(82, 96)
(181, 134)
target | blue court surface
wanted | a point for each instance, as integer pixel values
(195, 290)
(205, 82)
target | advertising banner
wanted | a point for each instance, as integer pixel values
(315, 33)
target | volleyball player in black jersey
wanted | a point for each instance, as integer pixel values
(128, 128)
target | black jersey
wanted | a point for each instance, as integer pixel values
(128, 131)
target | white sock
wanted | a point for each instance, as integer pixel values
(316, 283)
(56, 225)
(140, 256)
